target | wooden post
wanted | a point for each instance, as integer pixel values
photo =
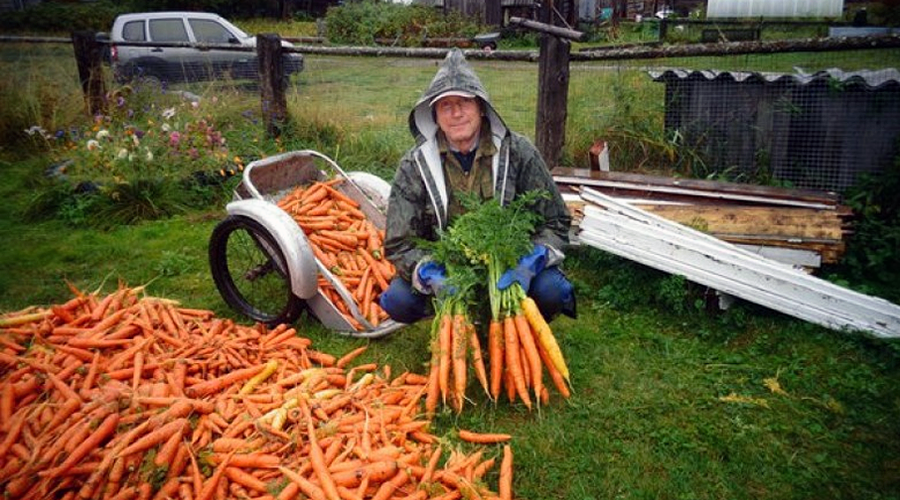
(272, 83)
(553, 96)
(89, 58)
(493, 13)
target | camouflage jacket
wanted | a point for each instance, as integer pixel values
(418, 204)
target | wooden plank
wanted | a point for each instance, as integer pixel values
(698, 193)
(652, 240)
(628, 244)
(635, 179)
(789, 222)
(789, 256)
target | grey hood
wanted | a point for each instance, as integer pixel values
(454, 73)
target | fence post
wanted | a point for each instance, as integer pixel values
(89, 58)
(272, 83)
(553, 96)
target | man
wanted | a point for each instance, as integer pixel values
(463, 146)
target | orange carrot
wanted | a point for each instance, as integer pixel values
(483, 438)
(495, 352)
(532, 358)
(103, 431)
(167, 451)
(477, 359)
(245, 479)
(513, 363)
(458, 360)
(317, 457)
(433, 391)
(387, 488)
(7, 401)
(210, 485)
(156, 436)
(217, 384)
(431, 466)
(445, 335)
(506, 474)
(555, 375)
(339, 196)
(307, 487)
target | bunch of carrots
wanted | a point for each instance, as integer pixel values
(453, 340)
(346, 242)
(127, 396)
(521, 348)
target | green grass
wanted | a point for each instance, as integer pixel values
(650, 369)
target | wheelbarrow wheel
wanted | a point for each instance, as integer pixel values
(250, 271)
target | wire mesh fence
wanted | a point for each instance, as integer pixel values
(806, 119)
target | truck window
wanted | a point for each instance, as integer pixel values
(207, 31)
(168, 30)
(133, 31)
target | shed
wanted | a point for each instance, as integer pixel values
(817, 130)
(774, 8)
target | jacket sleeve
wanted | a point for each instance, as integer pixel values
(407, 219)
(532, 174)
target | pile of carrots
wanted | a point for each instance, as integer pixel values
(127, 396)
(346, 242)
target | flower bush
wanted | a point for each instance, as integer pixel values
(152, 154)
(144, 134)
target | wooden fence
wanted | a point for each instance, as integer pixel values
(553, 60)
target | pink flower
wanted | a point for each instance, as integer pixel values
(174, 139)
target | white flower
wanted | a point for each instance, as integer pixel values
(168, 113)
(122, 154)
(166, 127)
(149, 155)
(135, 140)
(37, 129)
(102, 134)
(92, 145)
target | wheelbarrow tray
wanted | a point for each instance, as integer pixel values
(272, 178)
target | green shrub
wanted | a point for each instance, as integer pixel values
(59, 17)
(362, 23)
(871, 262)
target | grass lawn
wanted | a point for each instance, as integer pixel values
(669, 402)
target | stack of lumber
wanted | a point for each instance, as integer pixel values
(799, 227)
(632, 233)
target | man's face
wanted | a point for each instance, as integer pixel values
(460, 119)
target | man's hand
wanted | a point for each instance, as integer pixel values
(529, 266)
(430, 278)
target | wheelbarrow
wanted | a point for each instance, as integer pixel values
(263, 263)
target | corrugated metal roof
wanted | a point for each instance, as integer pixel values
(773, 8)
(872, 79)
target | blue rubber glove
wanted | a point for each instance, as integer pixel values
(529, 266)
(431, 277)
